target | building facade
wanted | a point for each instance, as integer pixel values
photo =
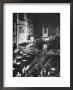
(24, 30)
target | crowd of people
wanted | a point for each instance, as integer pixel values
(37, 63)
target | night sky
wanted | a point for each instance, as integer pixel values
(50, 20)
